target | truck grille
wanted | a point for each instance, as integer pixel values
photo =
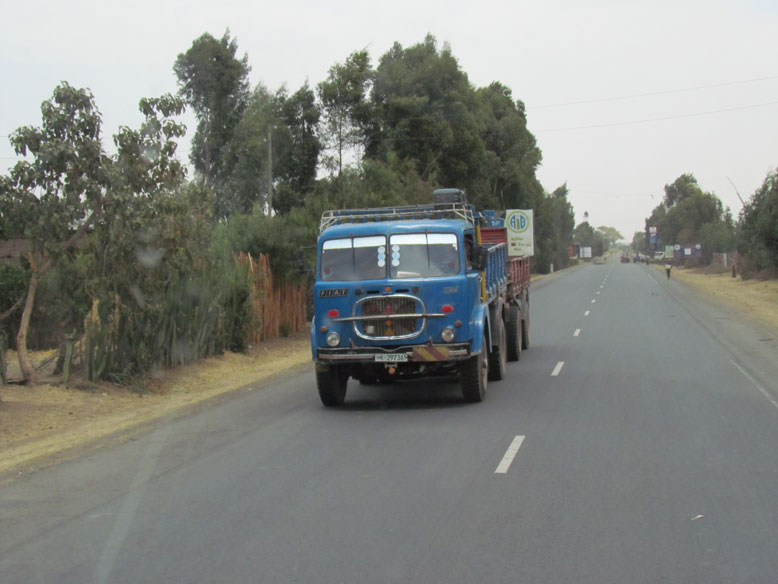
(382, 317)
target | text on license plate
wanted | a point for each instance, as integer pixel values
(391, 357)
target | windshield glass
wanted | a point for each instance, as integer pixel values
(415, 255)
(354, 258)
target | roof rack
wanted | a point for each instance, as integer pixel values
(463, 211)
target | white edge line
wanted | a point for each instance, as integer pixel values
(510, 454)
(756, 384)
(557, 369)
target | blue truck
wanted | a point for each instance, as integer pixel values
(419, 290)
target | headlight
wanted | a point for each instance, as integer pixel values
(447, 335)
(333, 339)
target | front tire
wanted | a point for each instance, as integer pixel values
(331, 383)
(474, 375)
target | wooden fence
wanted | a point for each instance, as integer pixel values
(278, 305)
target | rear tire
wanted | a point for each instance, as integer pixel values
(514, 333)
(473, 376)
(525, 325)
(498, 358)
(332, 386)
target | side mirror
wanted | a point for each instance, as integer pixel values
(480, 257)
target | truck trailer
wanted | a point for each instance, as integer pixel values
(418, 290)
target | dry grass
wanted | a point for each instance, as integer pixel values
(754, 298)
(38, 422)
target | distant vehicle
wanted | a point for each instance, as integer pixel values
(625, 259)
(659, 255)
(416, 291)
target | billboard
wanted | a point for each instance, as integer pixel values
(520, 226)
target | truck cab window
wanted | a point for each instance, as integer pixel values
(354, 258)
(421, 255)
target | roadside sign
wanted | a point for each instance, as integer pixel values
(520, 226)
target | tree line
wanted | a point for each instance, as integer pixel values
(688, 215)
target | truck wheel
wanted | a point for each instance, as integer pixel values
(525, 325)
(498, 358)
(473, 376)
(332, 386)
(514, 333)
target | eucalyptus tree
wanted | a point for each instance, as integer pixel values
(511, 147)
(425, 112)
(758, 226)
(344, 97)
(297, 147)
(214, 81)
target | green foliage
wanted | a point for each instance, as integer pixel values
(689, 215)
(757, 236)
(13, 285)
(62, 186)
(554, 223)
(425, 112)
(215, 83)
(609, 234)
(347, 111)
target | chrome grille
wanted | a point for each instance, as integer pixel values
(388, 321)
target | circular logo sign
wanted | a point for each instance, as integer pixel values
(517, 221)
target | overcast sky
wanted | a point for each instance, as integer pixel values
(623, 96)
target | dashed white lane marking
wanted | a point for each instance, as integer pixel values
(577, 332)
(587, 313)
(510, 454)
(594, 300)
(557, 369)
(756, 384)
(598, 292)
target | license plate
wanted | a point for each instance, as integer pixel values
(391, 357)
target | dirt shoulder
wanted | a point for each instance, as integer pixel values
(38, 425)
(756, 300)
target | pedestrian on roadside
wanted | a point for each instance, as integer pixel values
(668, 267)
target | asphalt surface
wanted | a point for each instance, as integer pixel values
(635, 441)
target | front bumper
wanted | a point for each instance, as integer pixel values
(427, 353)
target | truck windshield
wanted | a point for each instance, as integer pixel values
(415, 255)
(354, 258)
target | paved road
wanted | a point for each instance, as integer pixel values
(634, 442)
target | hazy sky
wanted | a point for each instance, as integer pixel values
(623, 96)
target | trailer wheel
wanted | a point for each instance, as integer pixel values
(498, 358)
(514, 333)
(525, 325)
(332, 386)
(473, 376)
